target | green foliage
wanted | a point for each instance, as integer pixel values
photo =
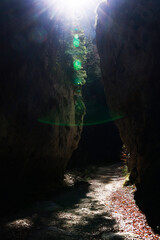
(77, 65)
(76, 48)
(76, 41)
(126, 174)
(80, 109)
(79, 81)
(125, 170)
(72, 59)
(89, 173)
(93, 62)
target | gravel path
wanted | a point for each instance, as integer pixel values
(80, 212)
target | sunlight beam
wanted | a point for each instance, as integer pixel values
(70, 6)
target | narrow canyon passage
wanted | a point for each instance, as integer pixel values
(86, 211)
(79, 83)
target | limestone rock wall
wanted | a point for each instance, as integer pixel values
(36, 91)
(128, 34)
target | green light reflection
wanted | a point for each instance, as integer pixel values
(76, 42)
(77, 65)
(83, 124)
(76, 36)
(77, 81)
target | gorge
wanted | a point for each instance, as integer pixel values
(43, 100)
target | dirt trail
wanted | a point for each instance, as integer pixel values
(77, 213)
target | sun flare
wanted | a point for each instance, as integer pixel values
(74, 4)
(70, 6)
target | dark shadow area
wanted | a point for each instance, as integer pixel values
(40, 210)
(96, 224)
(66, 197)
(45, 210)
(148, 202)
(99, 144)
(72, 195)
(147, 195)
(90, 228)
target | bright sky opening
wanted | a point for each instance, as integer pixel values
(71, 8)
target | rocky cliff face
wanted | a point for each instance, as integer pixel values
(38, 132)
(128, 34)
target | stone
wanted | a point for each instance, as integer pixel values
(38, 131)
(128, 34)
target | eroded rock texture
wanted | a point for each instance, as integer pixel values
(128, 34)
(35, 88)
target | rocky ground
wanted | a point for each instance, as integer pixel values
(84, 210)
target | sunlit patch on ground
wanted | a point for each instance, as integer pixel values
(20, 223)
(100, 209)
(90, 215)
